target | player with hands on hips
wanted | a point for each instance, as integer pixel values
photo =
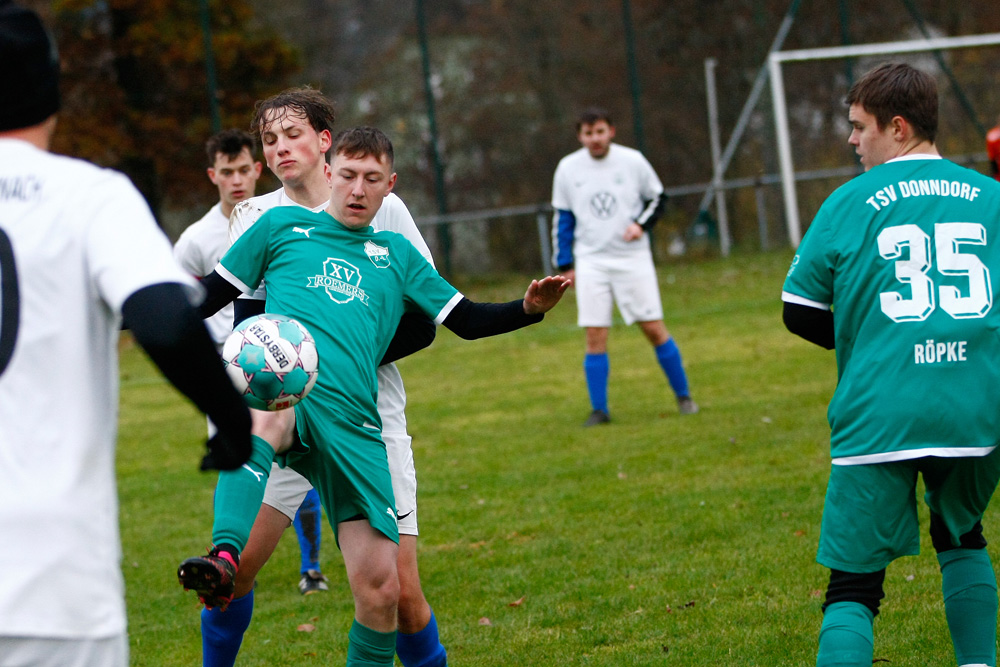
(606, 198)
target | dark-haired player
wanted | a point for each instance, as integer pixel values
(296, 126)
(606, 198)
(897, 274)
(350, 285)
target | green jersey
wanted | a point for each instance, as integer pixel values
(904, 255)
(348, 287)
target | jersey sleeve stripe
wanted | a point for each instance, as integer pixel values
(788, 297)
(233, 280)
(448, 307)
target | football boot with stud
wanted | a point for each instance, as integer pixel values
(212, 577)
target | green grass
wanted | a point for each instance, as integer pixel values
(656, 540)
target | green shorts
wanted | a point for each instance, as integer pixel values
(870, 511)
(347, 465)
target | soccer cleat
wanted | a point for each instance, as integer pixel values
(597, 417)
(212, 577)
(687, 406)
(312, 581)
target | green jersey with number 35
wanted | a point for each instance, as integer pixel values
(906, 256)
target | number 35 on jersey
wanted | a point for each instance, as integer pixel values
(919, 272)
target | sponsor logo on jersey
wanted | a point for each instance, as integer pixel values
(341, 280)
(377, 254)
(305, 231)
(603, 205)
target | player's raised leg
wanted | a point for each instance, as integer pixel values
(238, 497)
(222, 631)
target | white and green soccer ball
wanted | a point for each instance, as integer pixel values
(271, 360)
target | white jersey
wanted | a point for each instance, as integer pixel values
(605, 196)
(392, 215)
(75, 242)
(199, 250)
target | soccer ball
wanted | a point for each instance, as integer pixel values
(271, 360)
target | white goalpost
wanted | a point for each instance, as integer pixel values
(774, 63)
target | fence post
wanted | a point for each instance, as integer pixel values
(544, 243)
(758, 191)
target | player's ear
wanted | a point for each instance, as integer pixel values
(391, 182)
(611, 131)
(257, 169)
(325, 141)
(211, 175)
(900, 128)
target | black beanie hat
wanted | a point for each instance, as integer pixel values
(29, 76)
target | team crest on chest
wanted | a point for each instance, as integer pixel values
(377, 254)
(341, 280)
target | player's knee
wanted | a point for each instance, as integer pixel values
(941, 536)
(863, 588)
(378, 594)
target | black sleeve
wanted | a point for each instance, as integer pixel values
(652, 212)
(246, 308)
(471, 320)
(219, 292)
(415, 332)
(813, 324)
(170, 330)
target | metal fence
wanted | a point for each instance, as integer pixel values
(518, 238)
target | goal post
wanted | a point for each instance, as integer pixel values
(777, 58)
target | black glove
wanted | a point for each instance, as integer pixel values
(226, 453)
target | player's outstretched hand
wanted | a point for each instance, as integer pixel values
(543, 294)
(226, 453)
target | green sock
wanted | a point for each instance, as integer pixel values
(370, 648)
(970, 604)
(846, 638)
(238, 496)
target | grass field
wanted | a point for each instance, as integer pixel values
(656, 540)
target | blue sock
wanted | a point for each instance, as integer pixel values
(222, 631)
(596, 369)
(670, 361)
(307, 527)
(423, 648)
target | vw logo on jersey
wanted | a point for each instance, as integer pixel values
(341, 280)
(377, 254)
(603, 205)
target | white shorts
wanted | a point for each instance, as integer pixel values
(631, 283)
(52, 652)
(286, 489)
